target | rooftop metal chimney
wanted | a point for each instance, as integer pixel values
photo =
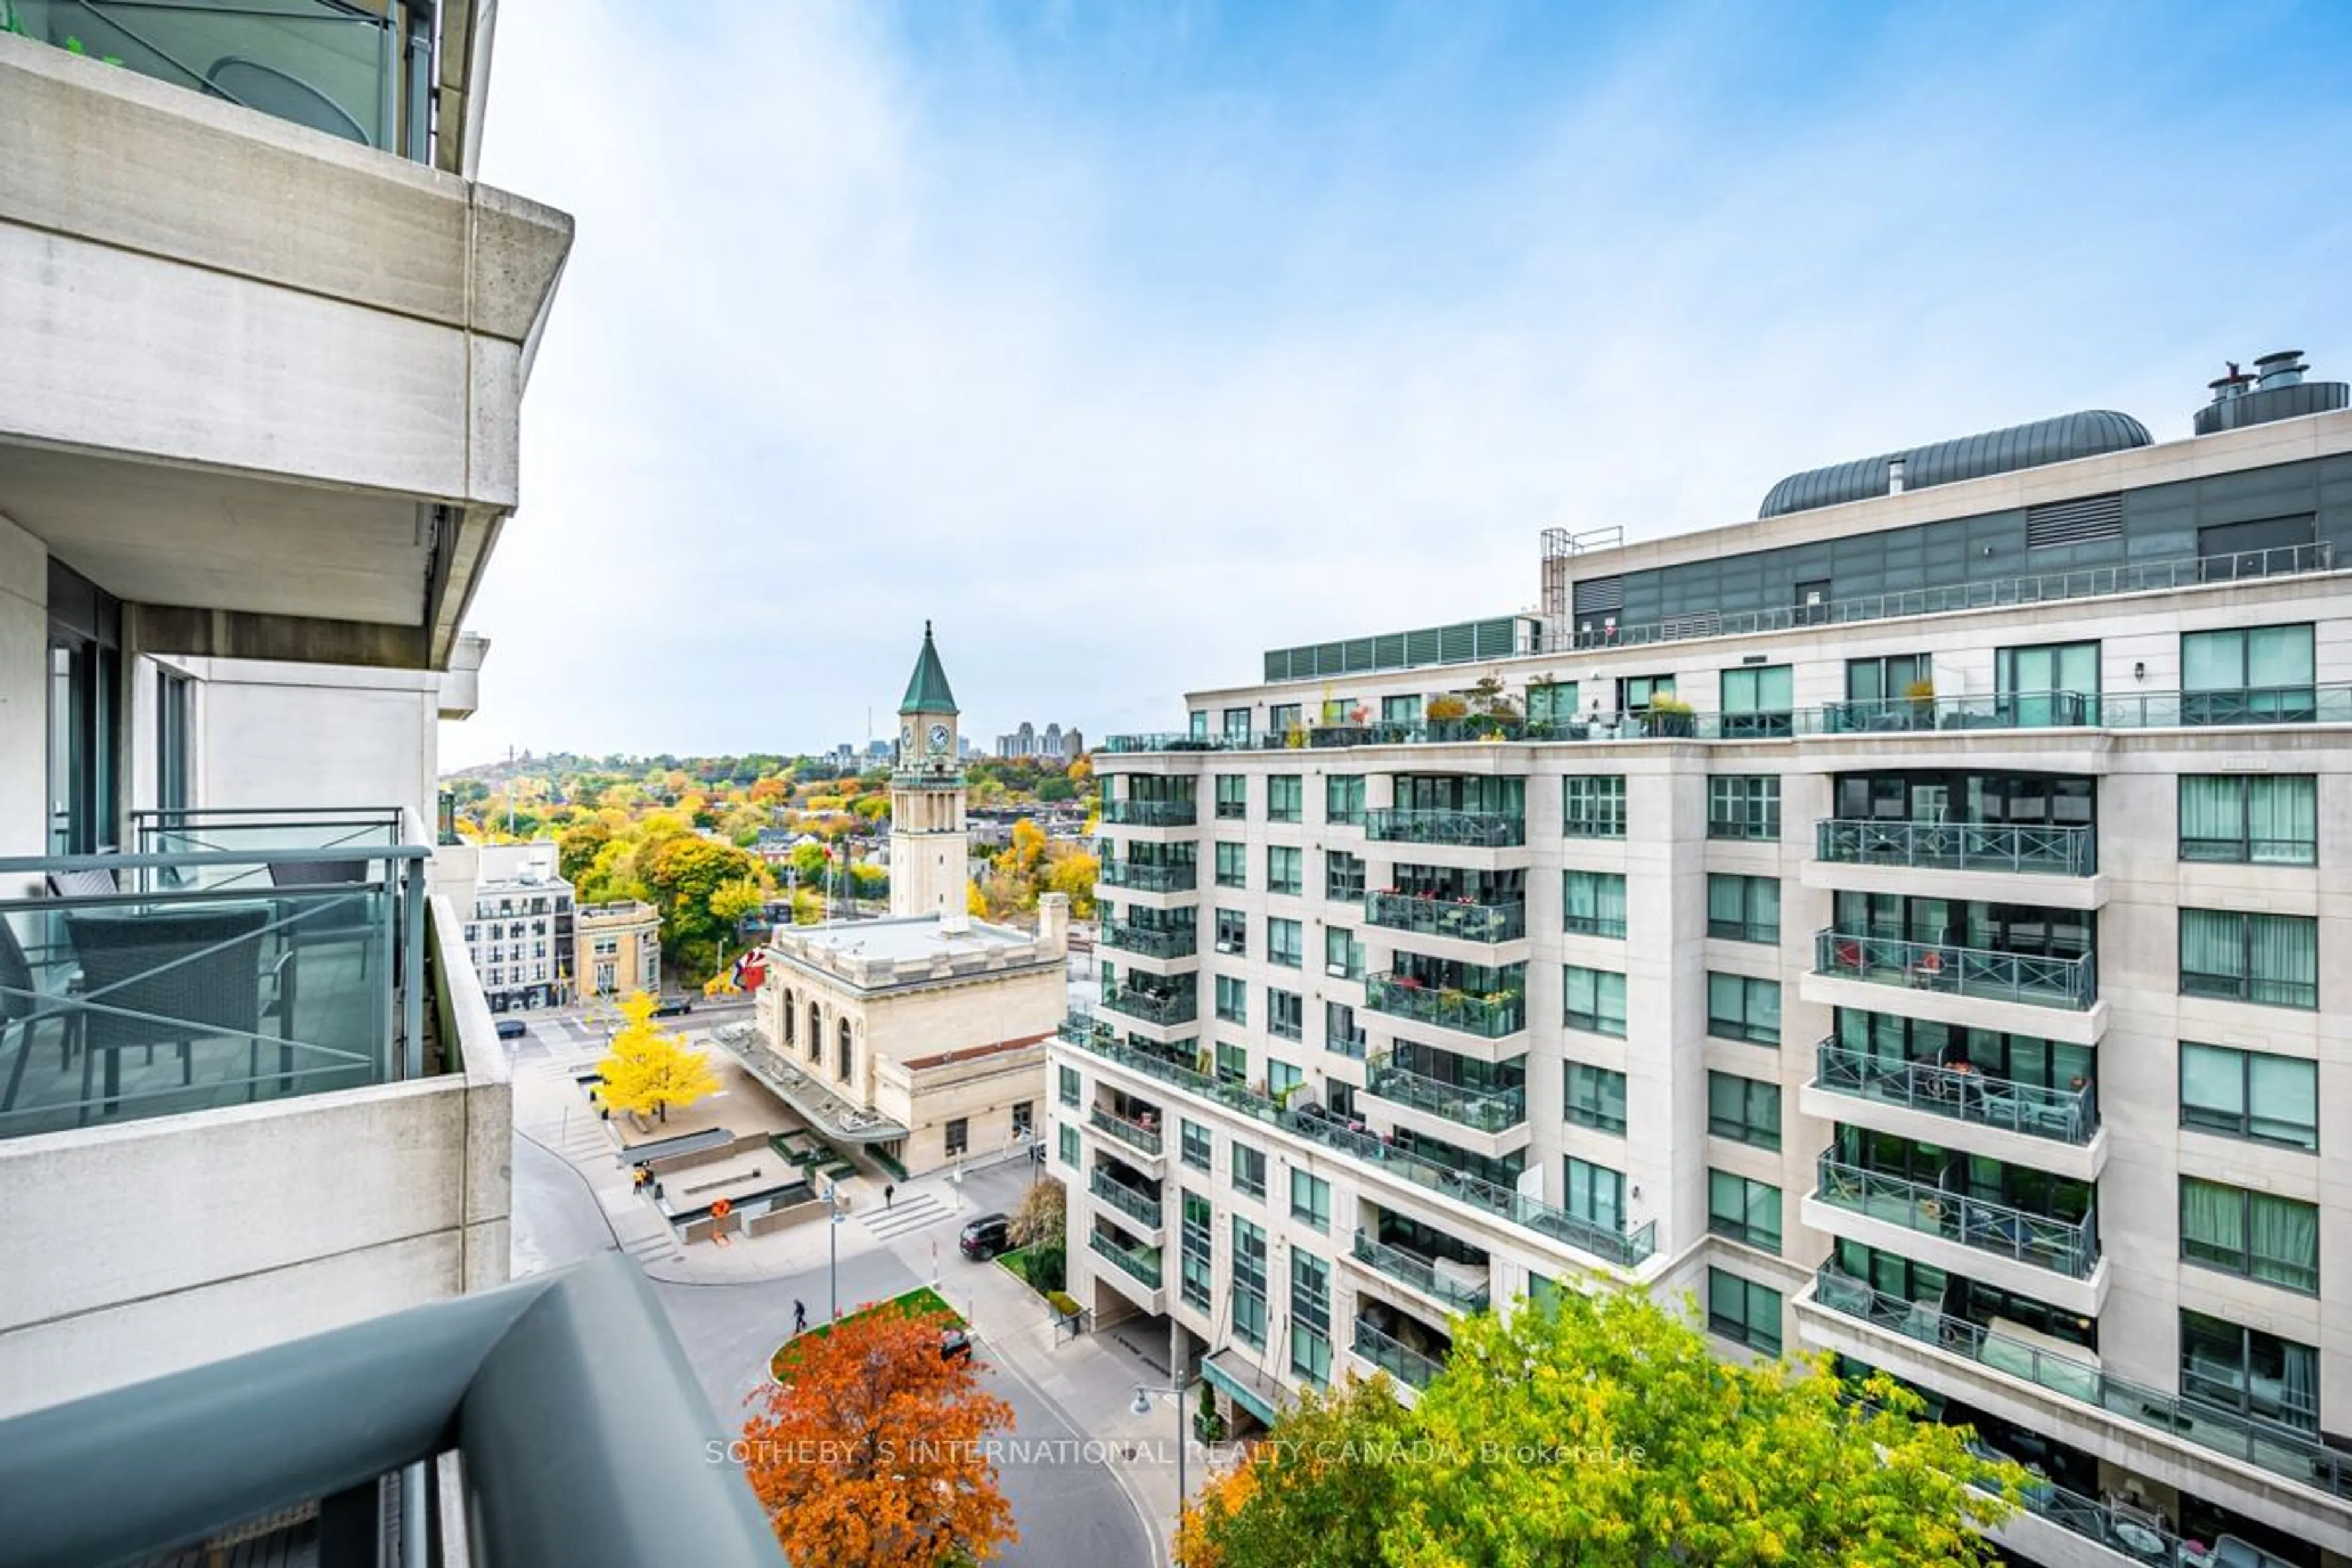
(2283, 368)
(2276, 391)
(1894, 476)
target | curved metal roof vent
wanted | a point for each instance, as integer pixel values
(2059, 440)
(2276, 390)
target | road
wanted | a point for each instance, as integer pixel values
(1069, 1511)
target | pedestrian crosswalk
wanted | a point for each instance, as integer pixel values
(908, 1213)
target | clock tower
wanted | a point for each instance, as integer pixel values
(928, 837)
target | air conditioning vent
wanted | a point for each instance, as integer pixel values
(2084, 521)
(1598, 596)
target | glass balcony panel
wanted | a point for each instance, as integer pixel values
(1142, 1263)
(1141, 1136)
(1147, 876)
(1151, 942)
(2043, 981)
(1151, 813)
(1401, 1361)
(2058, 851)
(1476, 829)
(2068, 1115)
(1452, 1283)
(1490, 1016)
(1484, 1110)
(2047, 1241)
(1165, 1008)
(1141, 1206)
(1464, 920)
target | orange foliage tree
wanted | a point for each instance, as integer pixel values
(873, 1453)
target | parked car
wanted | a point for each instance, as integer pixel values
(672, 1007)
(955, 1344)
(984, 1238)
(512, 1029)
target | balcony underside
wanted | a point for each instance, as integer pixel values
(1385, 1114)
(2086, 1296)
(1961, 886)
(2083, 1162)
(2075, 1029)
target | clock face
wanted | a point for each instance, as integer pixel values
(939, 737)
(907, 736)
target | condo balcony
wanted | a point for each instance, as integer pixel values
(1137, 1204)
(1462, 1287)
(1463, 919)
(2140, 1413)
(2015, 848)
(1139, 1134)
(1151, 942)
(1151, 813)
(1167, 1009)
(1468, 829)
(2051, 1241)
(1150, 877)
(1481, 1110)
(1140, 1263)
(1408, 1366)
(2039, 980)
(1490, 1016)
(1099, 1041)
(1960, 1092)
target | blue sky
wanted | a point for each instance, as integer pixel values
(1127, 341)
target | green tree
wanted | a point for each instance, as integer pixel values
(1056, 787)
(1317, 1497)
(576, 849)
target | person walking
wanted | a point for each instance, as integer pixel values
(889, 1191)
(800, 1317)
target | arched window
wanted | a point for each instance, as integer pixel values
(816, 1033)
(792, 1018)
(844, 1073)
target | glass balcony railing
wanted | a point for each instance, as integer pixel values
(1141, 1136)
(1459, 1285)
(2041, 981)
(1142, 1263)
(333, 68)
(2047, 1241)
(1142, 1207)
(2052, 851)
(1481, 1109)
(1147, 878)
(1474, 829)
(1461, 918)
(1490, 1016)
(2067, 1115)
(2281, 1449)
(1165, 1008)
(1401, 1361)
(184, 980)
(2330, 704)
(1083, 1032)
(1151, 942)
(1151, 813)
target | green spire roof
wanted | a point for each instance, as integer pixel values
(927, 690)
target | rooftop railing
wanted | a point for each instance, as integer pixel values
(1465, 920)
(1142, 1263)
(1142, 1207)
(1476, 830)
(1164, 1008)
(1151, 813)
(1147, 877)
(1490, 1017)
(2047, 1241)
(1082, 1030)
(2067, 1115)
(1151, 942)
(2024, 849)
(333, 68)
(1481, 1109)
(1402, 1361)
(2282, 1450)
(166, 982)
(2042, 980)
(1422, 1274)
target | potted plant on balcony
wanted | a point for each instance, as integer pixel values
(1492, 713)
(1208, 1422)
(1446, 715)
(1921, 694)
(1671, 716)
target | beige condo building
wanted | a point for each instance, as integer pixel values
(1913, 923)
(617, 948)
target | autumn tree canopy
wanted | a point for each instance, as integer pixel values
(650, 1069)
(869, 1454)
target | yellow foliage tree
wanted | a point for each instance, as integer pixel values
(974, 903)
(1074, 875)
(648, 1068)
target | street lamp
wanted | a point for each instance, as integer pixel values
(1142, 1406)
(833, 1261)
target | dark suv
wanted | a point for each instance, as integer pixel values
(984, 1238)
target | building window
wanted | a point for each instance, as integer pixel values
(174, 741)
(1249, 1283)
(1744, 805)
(1404, 709)
(1233, 796)
(1343, 955)
(1310, 1200)
(1283, 873)
(1739, 1009)
(2246, 1370)
(2258, 820)
(1340, 1031)
(2258, 1235)
(1069, 1140)
(1025, 1118)
(1343, 877)
(1758, 700)
(1285, 799)
(1199, 726)
(1232, 864)
(1282, 719)
(1233, 931)
(2253, 1095)
(1743, 909)
(1743, 1311)
(1232, 1062)
(1595, 1000)
(1236, 722)
(1875, 685)
(1232, 999)
(1594, 902)
(1283, 940)
(1310, 1316)
(1198, 1245)
(2250, 675)
(1343, 800)
(1596, 1098)
(1069, 1085)
(2270, 959)
(1285, 1014)
(1593, 806)
(1636, 692)
(2047, 684)
(1249, 1171)
(1743, 1210)
(959, 1137)
(1551, 706)
(1745, 1110)
(1196, 1147)
(1596, 1194)
(1282, 1080)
